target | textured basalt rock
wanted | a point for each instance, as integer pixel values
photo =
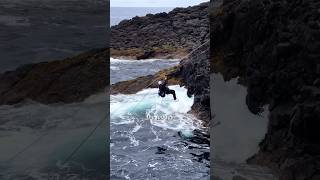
(274, 47)
(170, 34)
(195, 72)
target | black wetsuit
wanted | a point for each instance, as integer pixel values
(163, 90)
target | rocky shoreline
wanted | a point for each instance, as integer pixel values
(273, 46)
(162, 35)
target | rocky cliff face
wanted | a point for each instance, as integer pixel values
(274, 46)
(165, 35)
(194, 72)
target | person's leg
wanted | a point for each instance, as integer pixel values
(162, 94)
(173, 93)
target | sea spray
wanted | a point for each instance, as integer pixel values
(145, 129)
(161, 112)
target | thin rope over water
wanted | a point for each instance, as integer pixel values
(84, 140)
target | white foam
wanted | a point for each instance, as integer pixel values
(136, 128)
(161, 112)
(133, 140)
(115, 68)
(119, 61)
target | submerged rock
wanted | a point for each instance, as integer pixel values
(198, 137)
(202, 156)
(161, 150)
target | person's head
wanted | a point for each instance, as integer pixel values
(159, 82)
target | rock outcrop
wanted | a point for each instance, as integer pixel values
(195, 71)
(274, 46)
(165, 35)
(69, 80)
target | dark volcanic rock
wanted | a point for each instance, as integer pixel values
(146, 55)
(181, 29)
(198, 137)
(69, 80)
(201, 157)
(195, 72)
(274, 47)
(161, 150)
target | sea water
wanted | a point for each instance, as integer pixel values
(143, 123)
(38, 138)
(35, 31)
(122, 70)
(117, 14)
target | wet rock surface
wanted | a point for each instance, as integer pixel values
(274, 47)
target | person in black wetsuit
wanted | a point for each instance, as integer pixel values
(163, 89)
